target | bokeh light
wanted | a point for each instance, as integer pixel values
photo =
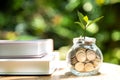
(116, 35)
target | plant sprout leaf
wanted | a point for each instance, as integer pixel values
(79, 23)
(86, 18)
(95, 20)
(81, 18)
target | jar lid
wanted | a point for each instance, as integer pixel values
(82, 39)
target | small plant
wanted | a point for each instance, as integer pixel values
(83, 22)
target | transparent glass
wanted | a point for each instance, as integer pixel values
(84, 57)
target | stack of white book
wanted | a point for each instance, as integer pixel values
(27, 57)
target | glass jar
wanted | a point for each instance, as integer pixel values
(84, 57)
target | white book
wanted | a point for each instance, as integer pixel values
(25, 48)
(32, 66)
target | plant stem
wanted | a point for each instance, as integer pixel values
(84, 34)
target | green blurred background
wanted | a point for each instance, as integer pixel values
(42, 19)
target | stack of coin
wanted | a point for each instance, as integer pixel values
(85, 60)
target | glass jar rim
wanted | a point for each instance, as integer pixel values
(84, 39)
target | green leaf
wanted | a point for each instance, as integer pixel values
(95, 20)
(79, 23)
(81, 18)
